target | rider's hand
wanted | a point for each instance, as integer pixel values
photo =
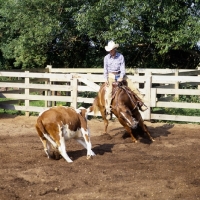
(107, 83)
(120, 79)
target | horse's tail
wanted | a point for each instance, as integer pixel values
(95, 107)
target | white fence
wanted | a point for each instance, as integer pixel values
(160, 86)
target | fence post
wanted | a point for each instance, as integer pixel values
(147, 87)
(198, 75)
(27, 92)
(137, 85)
(74, 92)
(48, 92)
(176, 85)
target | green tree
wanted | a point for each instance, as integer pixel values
(148, 31)
(74, 33)
(35, 33)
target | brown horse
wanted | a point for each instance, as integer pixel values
(124, 106)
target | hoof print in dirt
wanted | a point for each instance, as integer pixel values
(56, 156)
(106, 136)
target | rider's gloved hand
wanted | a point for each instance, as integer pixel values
(107, 83)
(120, 79)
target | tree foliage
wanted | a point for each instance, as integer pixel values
(74, 33)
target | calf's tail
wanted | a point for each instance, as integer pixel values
(40, 127)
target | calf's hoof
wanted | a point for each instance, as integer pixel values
(89, 157)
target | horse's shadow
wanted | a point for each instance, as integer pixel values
(138, 133)
(160, 131)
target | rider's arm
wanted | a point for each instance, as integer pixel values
(105, 67)
(122, 67)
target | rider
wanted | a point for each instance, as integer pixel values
(114, 70)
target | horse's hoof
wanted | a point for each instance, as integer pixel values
(134, 141)
(151, 139)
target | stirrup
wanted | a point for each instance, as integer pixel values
(143, 107)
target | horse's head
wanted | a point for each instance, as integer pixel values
(125, 108)
(126, 115)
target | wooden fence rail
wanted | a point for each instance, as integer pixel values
(160, 86)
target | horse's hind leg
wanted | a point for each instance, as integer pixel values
(103, 114)
(145, 129)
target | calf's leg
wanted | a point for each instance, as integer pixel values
(62, 147)
(46, 146)
(86, 143)
(44, 141)
(90, 153)
(58, 141)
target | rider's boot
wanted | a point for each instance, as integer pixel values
(108, 114)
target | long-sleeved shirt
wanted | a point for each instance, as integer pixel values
(116, 64)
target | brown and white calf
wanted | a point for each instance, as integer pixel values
(60, 123)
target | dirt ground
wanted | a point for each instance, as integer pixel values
(167, 169)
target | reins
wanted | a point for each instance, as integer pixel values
(128, 93)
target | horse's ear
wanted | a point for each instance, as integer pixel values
(124, 82)
(120, 83)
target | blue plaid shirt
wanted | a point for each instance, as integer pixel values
(116, 64)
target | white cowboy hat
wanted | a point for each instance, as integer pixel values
(111, 46)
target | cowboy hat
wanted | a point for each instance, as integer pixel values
(111, 46)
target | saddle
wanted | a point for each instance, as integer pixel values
(117, 84)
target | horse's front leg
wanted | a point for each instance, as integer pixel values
(145, 129)
(128, 129)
